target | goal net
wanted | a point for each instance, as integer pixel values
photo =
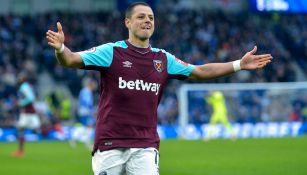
(253, 109)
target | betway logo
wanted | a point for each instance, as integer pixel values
(138, 85)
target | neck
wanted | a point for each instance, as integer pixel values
(139, 43)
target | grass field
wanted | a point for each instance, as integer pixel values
(282, 156)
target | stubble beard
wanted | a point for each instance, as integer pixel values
(143, 37)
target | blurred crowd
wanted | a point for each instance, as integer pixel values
(252, 106)
(196, 37)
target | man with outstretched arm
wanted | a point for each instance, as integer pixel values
(133, 75)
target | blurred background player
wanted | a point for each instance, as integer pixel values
(28, 119)
(219, 113)
(86, 114)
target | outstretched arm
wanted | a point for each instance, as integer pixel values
(249, 61)
(64, 56)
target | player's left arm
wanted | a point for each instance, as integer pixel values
(249, 61)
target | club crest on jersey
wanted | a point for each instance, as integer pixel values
(158, 65)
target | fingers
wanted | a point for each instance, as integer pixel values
(50, 32)
(50, 35)
(263, 63)
(53, 35)
(264, 57)
(55, 39)
(59, 27)
(252, 52)
(52, 44)
(51, 39)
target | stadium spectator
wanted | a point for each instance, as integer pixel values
(133, 76)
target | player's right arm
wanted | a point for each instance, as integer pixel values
(65, 56)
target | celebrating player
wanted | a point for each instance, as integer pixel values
(133, 77)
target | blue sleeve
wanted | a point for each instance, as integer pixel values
(177, 67)
(101, 56)
(27, 95)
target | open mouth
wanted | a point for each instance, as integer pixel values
(146, 28)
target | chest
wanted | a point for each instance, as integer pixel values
(148, 66)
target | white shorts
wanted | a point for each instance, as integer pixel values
(126, 161)
(30, 121)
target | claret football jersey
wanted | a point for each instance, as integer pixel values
(26, 98)
(132, 81)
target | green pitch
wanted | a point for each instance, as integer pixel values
(177, 157)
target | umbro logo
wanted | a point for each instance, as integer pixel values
(127, 64)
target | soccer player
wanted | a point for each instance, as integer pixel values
(86, 114)
(28, 119)
(219, 113)
(133, 75)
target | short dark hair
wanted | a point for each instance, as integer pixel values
(130, 8)
(22, 77)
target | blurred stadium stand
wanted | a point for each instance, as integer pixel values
(196, 31)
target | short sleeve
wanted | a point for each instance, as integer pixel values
(100, 56)
(177, 67)
(27, 94)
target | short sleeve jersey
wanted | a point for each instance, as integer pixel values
(132, 81)
(26, 98)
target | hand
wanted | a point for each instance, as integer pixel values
(250, 61)
(56, 39)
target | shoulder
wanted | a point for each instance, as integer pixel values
(84, 91)
(157, 50)
(25, 85)
(108, 46)
(121, 44)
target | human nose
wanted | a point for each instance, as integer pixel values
(147, 19)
